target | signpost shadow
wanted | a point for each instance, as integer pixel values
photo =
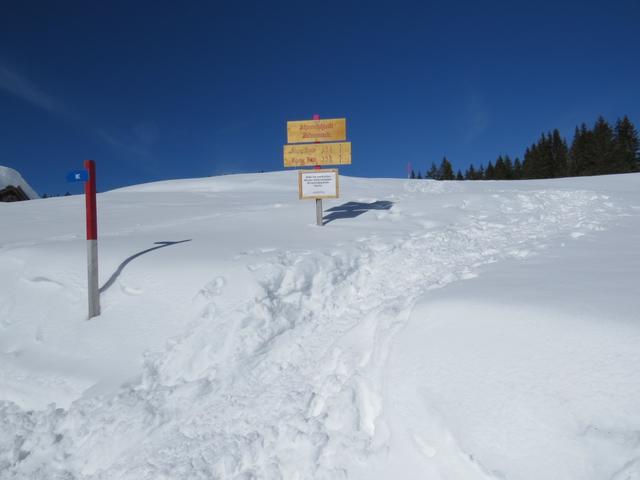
(354, 209)
(118, 271)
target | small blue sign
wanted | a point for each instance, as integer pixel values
(78, 176)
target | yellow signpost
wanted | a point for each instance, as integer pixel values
(317, 184)
(317, 154)
(309, 131)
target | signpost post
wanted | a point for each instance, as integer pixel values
(88, 176)
(317, 183)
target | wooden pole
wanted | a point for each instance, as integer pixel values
(318, 200)
(319, 212)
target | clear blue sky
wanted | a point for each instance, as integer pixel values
(160, 90)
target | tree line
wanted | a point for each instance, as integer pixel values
(600, 150)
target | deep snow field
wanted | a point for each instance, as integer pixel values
(430, 330)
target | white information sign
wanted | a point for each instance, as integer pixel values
(318, 183)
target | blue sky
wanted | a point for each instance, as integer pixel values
(160, 90)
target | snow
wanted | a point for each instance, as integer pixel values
(477, 330)
(9, 176)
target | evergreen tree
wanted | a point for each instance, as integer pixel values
(601, 149)
(575, 153)
(580, 152)
(489, 173)
(470, 174)
(413, 174)
(419, 177)
(559, 155)
(446, 170)
(433, 172)
(625, 156)
(508, 166)
(596, 151)
(544, 165)
(529, 163)
(459, 175)
(542, 160)
(517, 169)
(500, 169)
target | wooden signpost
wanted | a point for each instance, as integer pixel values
(307, 131)
(317, 184)
(317, 154)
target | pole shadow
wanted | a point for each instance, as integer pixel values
(118, 271)
(354, 209)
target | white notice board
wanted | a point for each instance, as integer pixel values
(318, 183)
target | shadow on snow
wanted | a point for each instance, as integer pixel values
(117, 273)
(354, 209)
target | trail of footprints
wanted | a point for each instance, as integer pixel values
(289, 383)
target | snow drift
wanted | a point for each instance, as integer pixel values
(477, 330)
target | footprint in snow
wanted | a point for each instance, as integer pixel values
(45, 282)
(127, 290)
(213, 288)
(423, 446)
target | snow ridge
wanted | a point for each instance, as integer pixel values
(297, 367)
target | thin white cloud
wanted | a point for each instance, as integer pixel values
(131, 147)
(477, 118)
(134, 145)
(19, 86)
(138, 142)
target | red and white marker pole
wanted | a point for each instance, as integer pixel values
(319, 221)
(92, 239)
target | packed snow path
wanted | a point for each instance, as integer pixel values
(280, 366)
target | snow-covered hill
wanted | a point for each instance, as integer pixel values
(9, 176)
(437, 330)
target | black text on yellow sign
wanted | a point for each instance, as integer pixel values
(317, 154)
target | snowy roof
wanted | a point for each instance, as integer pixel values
(9, 176)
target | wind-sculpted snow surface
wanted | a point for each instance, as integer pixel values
(282, 371)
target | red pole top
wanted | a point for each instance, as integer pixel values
(90, 199)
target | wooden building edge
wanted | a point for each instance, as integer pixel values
(12, 193)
